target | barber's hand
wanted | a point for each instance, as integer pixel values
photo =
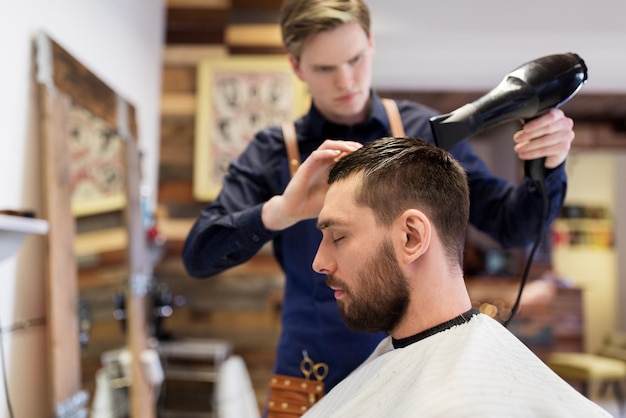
(304, 196)
(549, 135)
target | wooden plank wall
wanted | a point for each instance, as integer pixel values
(241, 305)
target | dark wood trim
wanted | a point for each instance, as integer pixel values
(73, 78)
(256, 50)
(192, 16)
(197, 35)
(272, 5)
(87, 89)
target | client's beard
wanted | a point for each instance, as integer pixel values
(381, 297)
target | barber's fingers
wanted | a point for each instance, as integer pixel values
(555, 147)
(555, 153)
(343, 146)
(314, 170)
(556, 142)
(549, 123)
(549, 135)
(323, 157)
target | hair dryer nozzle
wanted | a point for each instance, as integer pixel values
(450, 126)
(524, 93)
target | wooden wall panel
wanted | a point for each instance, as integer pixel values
(176, 156)
(271, 5)
(259, 35)
(178, 104)
(177, 129)
(196, 17)
(196, 24)
(190, 55)
(179, 79)
(176, 153)
(211, 4)
(176, 191)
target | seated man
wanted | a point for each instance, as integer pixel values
(393, 221)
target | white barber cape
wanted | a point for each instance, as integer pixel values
(477, 369)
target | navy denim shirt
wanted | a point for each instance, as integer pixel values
(229, 231)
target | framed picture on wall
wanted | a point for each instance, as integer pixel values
(238, 96)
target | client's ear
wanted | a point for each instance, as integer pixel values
(414, 234)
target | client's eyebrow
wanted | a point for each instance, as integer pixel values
(322, 225)
(335, 222)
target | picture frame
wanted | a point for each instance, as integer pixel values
(238, 96)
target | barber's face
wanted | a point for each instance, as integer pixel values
(359, 263)
(337, 66)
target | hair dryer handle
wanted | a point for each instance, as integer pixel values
(535, 168)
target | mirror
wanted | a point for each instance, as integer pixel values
(98, 186)
(97, 244)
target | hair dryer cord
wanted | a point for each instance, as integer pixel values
(535, 169)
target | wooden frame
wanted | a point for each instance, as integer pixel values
(238, 96)
(65, 83)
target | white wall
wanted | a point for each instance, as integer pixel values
(472, 44)
(121, 42)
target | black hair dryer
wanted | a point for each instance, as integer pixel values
(525, 93)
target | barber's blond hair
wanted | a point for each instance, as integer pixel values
(300, 19)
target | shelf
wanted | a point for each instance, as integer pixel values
(583, 221)
(101, 241)
(583, 232)
(13, 231)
